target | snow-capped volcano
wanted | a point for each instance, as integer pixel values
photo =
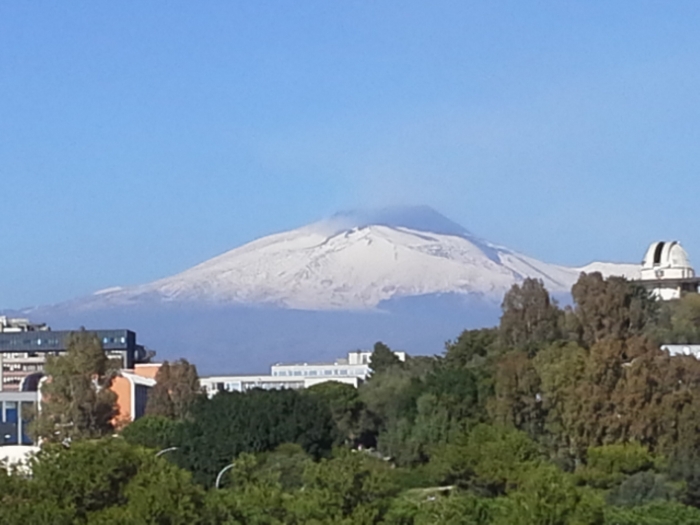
(357, 260)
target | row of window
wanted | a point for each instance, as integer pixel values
(270, 386)
(23, 355)
(108, 340)
(30, 342)
(52, 341)
(15, 367)
(325, 372)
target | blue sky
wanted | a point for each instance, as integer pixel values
(140, 138)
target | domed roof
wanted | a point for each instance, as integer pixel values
(666, 255)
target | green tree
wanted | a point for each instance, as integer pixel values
(77, 401)
(517, 400)
(611, 308)
(88, 476)
(686, 319)
(383, 358)
(107, 481)
(392, 395)
(285, 465)
(352, 488)
(548, 496)
(176, 388)
(159, 493)
(530, 317)
(608, 465)
(655, 513)
(678, 321)
(641, 488)
(230, 423)
(472, 348)
(251, 496)
(430, 506)
(156, 432)
(489, 459)
(355, 423)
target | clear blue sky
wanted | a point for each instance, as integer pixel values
(139, 138)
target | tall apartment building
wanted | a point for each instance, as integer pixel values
(24, 347)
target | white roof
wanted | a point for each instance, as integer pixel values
(137, 379)
(17, 455)
(666, 255)
(682, 349)
(249, 378)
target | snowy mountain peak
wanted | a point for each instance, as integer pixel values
(356, 260)
(419, 218)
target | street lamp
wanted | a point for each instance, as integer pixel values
(161, 452)
(221, 473)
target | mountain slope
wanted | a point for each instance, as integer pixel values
(405, 276)
(355, 261)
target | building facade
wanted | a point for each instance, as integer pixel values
(351, 370)
(24, 348)
(16, 411)
(132, 391)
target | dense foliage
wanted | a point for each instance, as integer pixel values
(557, 416)
(77, 402)
(177, 387)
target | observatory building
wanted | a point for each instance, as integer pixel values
(666, 271)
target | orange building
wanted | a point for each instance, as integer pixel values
(132, 387)
(147, 369)
(132, 396)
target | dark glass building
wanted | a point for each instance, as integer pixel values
(23, 354)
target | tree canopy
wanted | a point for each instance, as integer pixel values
(570, 416)
(77, 401)
(177, 387)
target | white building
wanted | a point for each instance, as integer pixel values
(351, 370)
(667, 272)
(14, 325)
(18, 456)
(673, 350)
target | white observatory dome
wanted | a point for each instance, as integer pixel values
(666, 260)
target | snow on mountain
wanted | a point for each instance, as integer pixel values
(355, 261)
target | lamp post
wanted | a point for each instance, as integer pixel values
(161, 452)
(221, 473)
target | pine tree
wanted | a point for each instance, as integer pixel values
(77, 401)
